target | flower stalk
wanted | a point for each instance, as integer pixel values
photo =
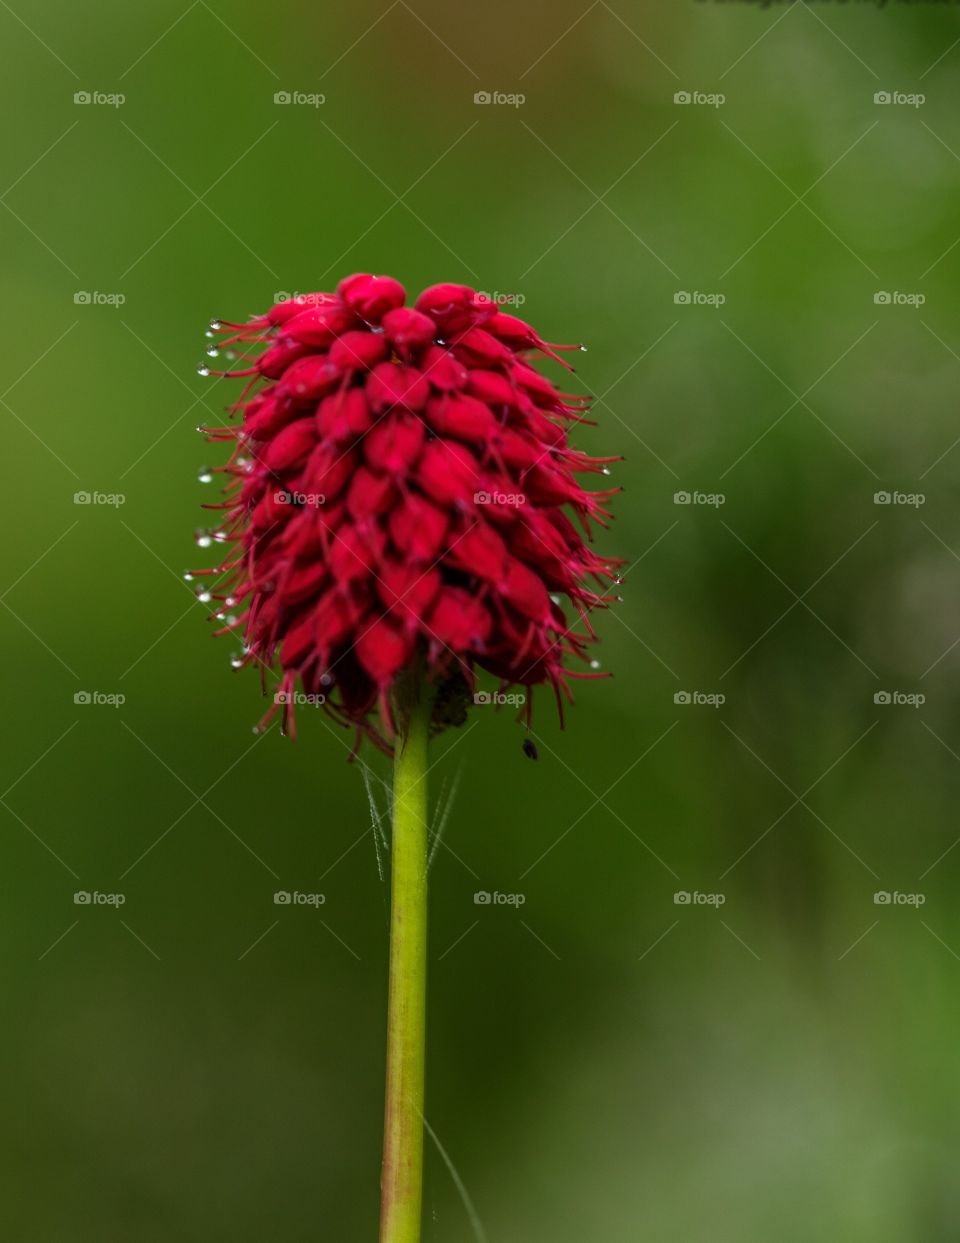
(401, 1179)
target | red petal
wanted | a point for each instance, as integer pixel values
(458, 620)
(462, 416)
(371, 296)
(418, 528)
(448, 472)
(343, 416)
(290, 446)
(319, 325)
(358, 351)
(383, 650)
(392, 385)
(370, 494)
(394, 444)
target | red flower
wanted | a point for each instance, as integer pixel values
(398, 493)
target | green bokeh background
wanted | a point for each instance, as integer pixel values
(604, 1064)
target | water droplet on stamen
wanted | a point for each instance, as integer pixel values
(605, 471)
(213, 352)
(230, 602)
(220, 536)
(187, 577)
(204, 597)
(583, 349)
(215, 325)
(203, 369)
(236, 662)
(594, 664)
(203, 539)
(205, 476)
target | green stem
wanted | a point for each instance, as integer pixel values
(401, 1178)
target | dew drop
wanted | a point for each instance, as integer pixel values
(583, 349)
(236, 662)
(229, 602)
(215, 325)
(203, 369)
(187, 577)
(605, 471)
(203, 539)
(205, 476)
(594, 664)
(204, 597)
(220, 536)
(230, 619)
(213, 352)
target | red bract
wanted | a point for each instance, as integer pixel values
(399, 494)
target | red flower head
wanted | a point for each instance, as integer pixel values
(399, 493)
